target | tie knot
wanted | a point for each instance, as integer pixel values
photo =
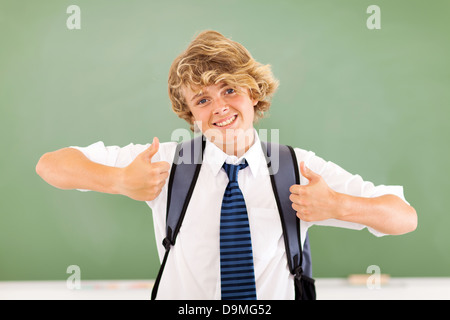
(232, 170)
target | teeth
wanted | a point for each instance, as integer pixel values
(225, 123)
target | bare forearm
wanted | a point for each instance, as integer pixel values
(69, 168)
(387, 214)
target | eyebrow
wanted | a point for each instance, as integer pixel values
(197, 95)
(201, 93)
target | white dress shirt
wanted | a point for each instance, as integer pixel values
(192, 270)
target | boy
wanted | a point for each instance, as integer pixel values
(220, 90)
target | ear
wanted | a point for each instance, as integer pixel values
(251, 95)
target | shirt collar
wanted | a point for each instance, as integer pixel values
(215, 157)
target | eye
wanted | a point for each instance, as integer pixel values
(202, 101)
(230, 91)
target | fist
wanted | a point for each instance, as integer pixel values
(315, 201)
(143, 180)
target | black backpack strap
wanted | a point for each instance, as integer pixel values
(188, 156)
(282, 180)
(284, 172)
(307, 261)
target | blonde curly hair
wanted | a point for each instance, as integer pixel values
(212, 58)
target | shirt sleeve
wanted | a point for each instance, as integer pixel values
(342, 181)
(113, 156)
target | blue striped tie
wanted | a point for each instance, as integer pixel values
(236, 257)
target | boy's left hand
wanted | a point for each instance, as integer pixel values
(315, 201)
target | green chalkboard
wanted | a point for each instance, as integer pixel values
(374, 101)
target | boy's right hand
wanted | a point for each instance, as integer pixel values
(143, 180)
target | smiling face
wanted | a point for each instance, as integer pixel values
(224, 114)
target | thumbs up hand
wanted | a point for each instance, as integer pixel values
(315, 201)
(143, 179)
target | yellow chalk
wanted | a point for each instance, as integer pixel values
(363, 279)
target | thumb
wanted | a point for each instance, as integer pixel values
(307, 173)
(153, 149)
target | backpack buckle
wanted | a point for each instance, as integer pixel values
(167, 243)
(298, 273)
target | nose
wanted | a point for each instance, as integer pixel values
(221, 110)
(221, 107)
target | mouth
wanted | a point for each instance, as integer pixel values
(226, 122)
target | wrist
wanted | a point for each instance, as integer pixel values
(114, 182)
(341, 205)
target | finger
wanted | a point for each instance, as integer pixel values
(153, 149)
(296, 207)
(295, 188)
(303, 215)
(307, 173)
(162, 183)
(164, 175)
(161, 166)
(298, 201)
(298, 189)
